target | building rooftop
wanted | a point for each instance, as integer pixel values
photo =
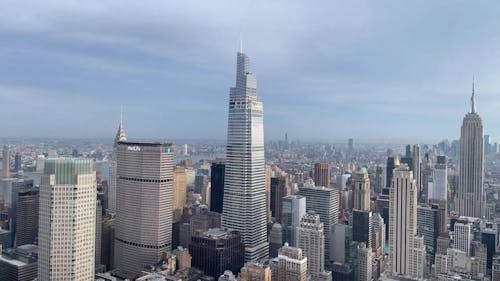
(21, 255)
(153, 144)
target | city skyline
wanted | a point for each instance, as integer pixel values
(360, 69)
(361, 177)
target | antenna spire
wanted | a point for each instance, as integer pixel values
(241, 44)
(120, 135)
(121, 115)
(472, 99)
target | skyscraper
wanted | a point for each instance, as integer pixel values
(120, 136)
(275, 240)
(361, 190)
(440, 187)
(98, 236)
(144, 200)
(361, 214)
(280, 187)
(322, 174)
(6, 162)
(350, 145)
(217, 250)
(463, 236)
(27, 216)
(403, 226)
(389, 171)
(365, 259)
(324, 202)
(294, 207)
(180, 191)
(311, 239)
(66, 249)
(416, 165)
(470, 199)
(217, 183)
(379, 179)
(244, 207)
(428, 226)
(17, 162)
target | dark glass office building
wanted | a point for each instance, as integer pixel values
(217, 250)
(361, 227)
(488, 238)
(217, 184)
(390, 170)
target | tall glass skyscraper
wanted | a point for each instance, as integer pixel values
(470, 199)
(244, 205)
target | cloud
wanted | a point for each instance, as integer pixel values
(346, 65)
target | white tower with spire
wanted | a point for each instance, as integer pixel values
(120, 137)
(470, 199)
(244, 207)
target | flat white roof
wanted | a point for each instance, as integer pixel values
(15, 262)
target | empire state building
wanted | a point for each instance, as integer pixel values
(470, 199)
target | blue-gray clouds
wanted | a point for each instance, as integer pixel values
(325, 69)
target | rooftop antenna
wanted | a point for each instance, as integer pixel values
(472, 100)
(121, 114)
(241, 44)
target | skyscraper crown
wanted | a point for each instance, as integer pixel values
(120, 134)
(472, 100)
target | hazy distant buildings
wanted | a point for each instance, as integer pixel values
(6, 162)
(17, 162)
(66, 248)
(417, 162)
(294, 208)
(143, 205)
(470, 199)
(350, 145)
(244, 207)
(322, 174)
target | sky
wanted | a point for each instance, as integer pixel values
(325, 69)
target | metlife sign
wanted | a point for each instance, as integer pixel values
(133, 148)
